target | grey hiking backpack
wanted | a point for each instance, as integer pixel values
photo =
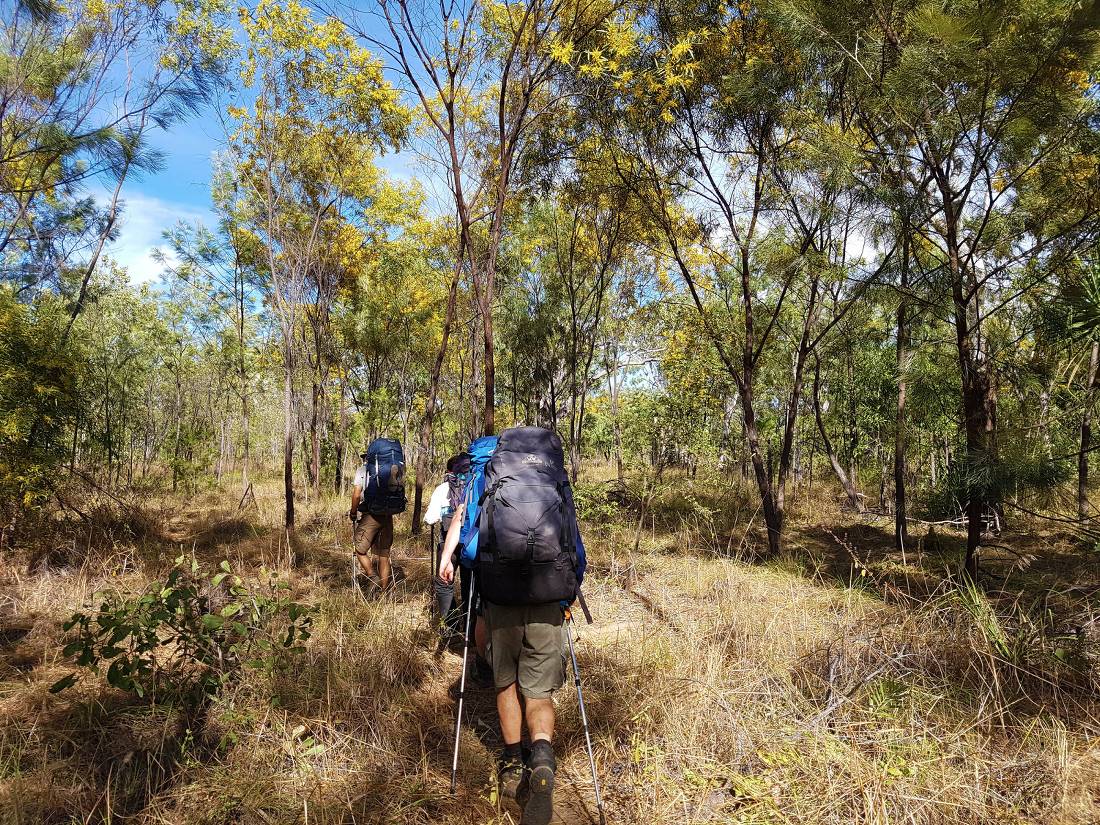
(528, 551)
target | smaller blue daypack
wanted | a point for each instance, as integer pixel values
(480, 452)
(384, 493)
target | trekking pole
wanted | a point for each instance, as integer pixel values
(462, 684)
(584, 715)
(433, 566)
(354, 564)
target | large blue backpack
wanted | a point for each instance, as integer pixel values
(529, 547)
(480, 452)
(384, 492)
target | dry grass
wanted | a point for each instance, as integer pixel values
(837, 684)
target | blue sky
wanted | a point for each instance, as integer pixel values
(180, 191)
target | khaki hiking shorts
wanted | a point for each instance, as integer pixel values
(525, 647)
(374, 534)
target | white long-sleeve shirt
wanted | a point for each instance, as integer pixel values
(438, 504)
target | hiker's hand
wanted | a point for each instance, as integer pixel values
(447, 571)
(351, 515)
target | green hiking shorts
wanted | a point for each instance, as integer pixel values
(525, 647)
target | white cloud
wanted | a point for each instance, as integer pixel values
(143, 221)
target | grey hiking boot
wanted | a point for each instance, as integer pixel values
(510, 774)
(541, 765)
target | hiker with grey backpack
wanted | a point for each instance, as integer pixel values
(517, 531)
(377, 495)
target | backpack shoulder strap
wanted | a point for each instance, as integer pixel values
(584, 606)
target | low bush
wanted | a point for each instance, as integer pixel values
(186, 636)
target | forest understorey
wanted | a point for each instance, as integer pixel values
(837, 682)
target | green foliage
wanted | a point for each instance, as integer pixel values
(186, 636)
(89, 81)
(593, 504)
(993, 481)
(39, 375)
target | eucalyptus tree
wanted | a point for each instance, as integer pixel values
(730, 138)
(985, 109)
(224, 266)
(482, 77)
(305, 154)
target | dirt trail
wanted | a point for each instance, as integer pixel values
(574, 801)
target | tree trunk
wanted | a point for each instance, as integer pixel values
(1086, 435)
(341, 442)
(245, 437)
(613, 388)
(288, 447)
(834, 460)
(107, 424)
(773, 516)
(176, 442)
(315, 438)
(424, 450)
(488, 421)
(795, 401)
(901, 526)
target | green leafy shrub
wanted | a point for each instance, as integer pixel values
(187, 636)
(39, 375)
(592, 502)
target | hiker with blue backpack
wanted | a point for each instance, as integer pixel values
(516, 529)
(377, 495)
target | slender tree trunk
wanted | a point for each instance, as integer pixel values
(176, 442)
(315, 438)
(245, 437)
(107, 423)
(424, 451)
(220, 463)
(977, 394)
(901, 527)
(288, 446)
(515, 392)
(613, 389)
(76, 435)
(488, 279)
(341, 441)
(1086, 435)
(773, 516)
(795, 401)
(827, 445)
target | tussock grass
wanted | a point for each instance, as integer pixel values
(836, 684)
